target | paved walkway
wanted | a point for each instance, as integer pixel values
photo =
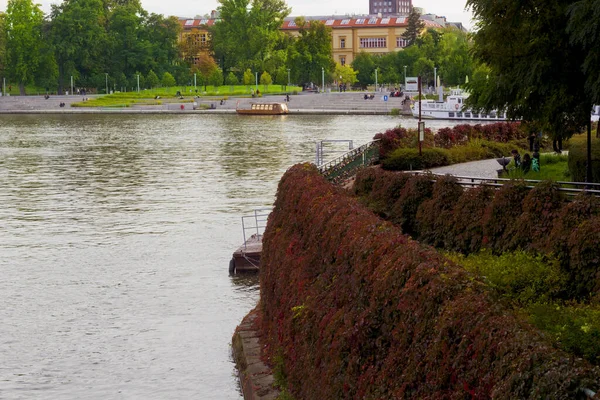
(479, 169)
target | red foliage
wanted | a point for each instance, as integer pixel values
(467, 230)
(358, 310)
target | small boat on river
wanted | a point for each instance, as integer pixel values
(264, 109)
(454, 108)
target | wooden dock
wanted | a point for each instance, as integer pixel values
(247, 257)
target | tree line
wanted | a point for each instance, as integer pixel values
(117, 45)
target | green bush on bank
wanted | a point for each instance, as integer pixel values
(578, 158)
(405, 159)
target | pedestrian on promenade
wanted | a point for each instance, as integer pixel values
(516, 158)
(535, 161)
(526, 164)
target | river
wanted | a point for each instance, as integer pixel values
(115, 237)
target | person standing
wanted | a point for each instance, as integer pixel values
(526, 164)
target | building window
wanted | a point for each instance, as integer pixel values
(373, 43)
(342, 60)
(342, 43)
(401, 43)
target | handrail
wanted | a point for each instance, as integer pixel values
(260, 222)
(580, 187)
(338, 160)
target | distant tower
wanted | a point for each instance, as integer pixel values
(386, 7)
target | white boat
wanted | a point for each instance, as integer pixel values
(596, 114)
(453, 108)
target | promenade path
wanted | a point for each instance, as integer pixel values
(304, 103)
(478, 169)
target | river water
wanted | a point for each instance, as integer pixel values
(115, 237)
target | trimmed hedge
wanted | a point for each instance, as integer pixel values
(466, 233)
(417, 189)
(358, 310)
(578, 158)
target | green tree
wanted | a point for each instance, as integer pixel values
(206, 67)
(78, 45)
(152, 79)
(248, 78)
(346, 74)
(167, 80)
(2, 44)
(247, 32)
(161, 34)
(23, 28)
(216, 78)
(281, 76)
(231, 79)
(535, 70)
(313, 52)
(414, 28)
(129, 51)
(265, 79)
(364, 65)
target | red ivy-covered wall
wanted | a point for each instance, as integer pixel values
(357, 310)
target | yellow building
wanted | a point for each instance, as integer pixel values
(350, 35)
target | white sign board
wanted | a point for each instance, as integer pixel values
(411, 84)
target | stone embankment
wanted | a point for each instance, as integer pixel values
(305, 103)
(256, 378)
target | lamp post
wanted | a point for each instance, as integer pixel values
(106, 76)
(288, 77)
(71, 85)
(138, 82)
(323, 79)
(195, 87)
(405, 77)
(256, 80)
(375, 79)
(435, 78)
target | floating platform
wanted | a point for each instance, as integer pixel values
(247, 257)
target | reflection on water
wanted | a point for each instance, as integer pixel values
(116, 232)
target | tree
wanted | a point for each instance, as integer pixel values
(231, 79)
(78, 45)
(206, 67)
(414, 28)
(313, 52)
(152, 79)
(265, 79)
(346, 74)
(2, 44)
(248, 78)
(247, 32)
(167, 80)
(536, 70)
(216, 78)
(162, 35)
(23, 27)
(364, 65)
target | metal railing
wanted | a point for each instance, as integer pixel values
(346, 165)
(570, 188)
(257, 222)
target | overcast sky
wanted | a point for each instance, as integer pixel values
(453, 10)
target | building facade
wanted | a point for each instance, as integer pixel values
(350, 35)
(388, 7)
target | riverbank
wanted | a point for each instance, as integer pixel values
(302, 104)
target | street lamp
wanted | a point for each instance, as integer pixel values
(138, 82)
(375, 79)
(405, 77)
(256, 80)
(288, 77)
(106, 76)
(323, 79)
(435, 79)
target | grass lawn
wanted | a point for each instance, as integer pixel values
(552, 167)
(149, 96)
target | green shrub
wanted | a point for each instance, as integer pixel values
(520, 277)
(407, 159)
(435, 215)
(578, 158)
(574, 328)
(417, 189)
(395, 111)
